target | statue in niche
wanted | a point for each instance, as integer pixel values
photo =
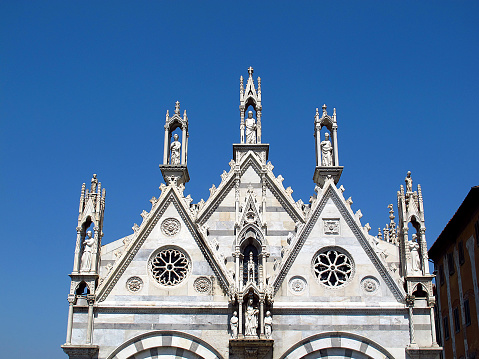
(408, 181)
(251, 268)
(175, 148)
(251, 320)
(250, 131)
(234, 326)
(86, 255)
(415, 259)
(268, 325)
(327, 152)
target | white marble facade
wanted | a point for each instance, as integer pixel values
(249, 272)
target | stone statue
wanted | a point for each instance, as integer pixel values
(86, 255)
(415, 259)
(327, 152)
(175, 148)
(251, 320)
(268, 325)
(251, 268)
(94, 182)
(234, 326)
(250, 128)
(408, 181)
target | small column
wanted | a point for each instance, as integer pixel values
(261, 318)
(258, 126)
(76, 261)
(89, 328)
(242, 124)
(96, 246)
(183, 146)
(240, 318)
(166, 151)
(424, 256)
(318, 145)
(410, 304)
(263, 262)
(335, 144)
(433, 323)
(237, 262)
(71, 301)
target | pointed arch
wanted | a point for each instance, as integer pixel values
(251, 231)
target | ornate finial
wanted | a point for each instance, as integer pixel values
(241, 84)
(177, 107)
(250, 71)
(167, 115)
(324, 110)
(391, 211)
(259, 84)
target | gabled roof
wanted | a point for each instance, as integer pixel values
(456, 224)
(169, 195)
(330, 191)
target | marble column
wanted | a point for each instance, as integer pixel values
(261, 318)
(71, 301)
(166, 151)
(335, 144)
(410, 304)
(258, 126)
(242, 124)
(433, 323)
(240, 318)
(76, 261)
(89, 328)
(183, 146)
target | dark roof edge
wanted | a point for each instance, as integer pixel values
(456, 223)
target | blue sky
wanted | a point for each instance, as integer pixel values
(85, 87)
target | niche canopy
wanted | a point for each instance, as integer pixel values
(175, 155)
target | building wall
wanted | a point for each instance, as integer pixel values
(456, 288)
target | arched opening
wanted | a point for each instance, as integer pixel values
(414, 246)
(175, 144)
(250, 250)
(420, 292)
(82, 289)
(87, 241)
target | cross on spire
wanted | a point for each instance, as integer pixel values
(250, 71)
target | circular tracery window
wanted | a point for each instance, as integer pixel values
(333, 267)
(169, 266)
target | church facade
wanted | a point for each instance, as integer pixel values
(251, 273)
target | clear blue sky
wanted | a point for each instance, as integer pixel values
(85, 87)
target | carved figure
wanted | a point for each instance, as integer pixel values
(251, 320)
(86, 255)
(175, 148)
(234, 326)
(268, 325)
(408, 181)
(251, 268)
(250, 131)
(415, 260)
(94, 182)
(327, 152)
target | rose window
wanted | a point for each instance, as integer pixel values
(333, 267)
(169, 266)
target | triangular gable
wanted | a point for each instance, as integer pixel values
(250, 212)
(330, 192)
(169, 195)
(250, 159)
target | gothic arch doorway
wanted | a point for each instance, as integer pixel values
(167, 345)
(336, 345)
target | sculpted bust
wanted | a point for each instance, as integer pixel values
(327, 152)
(250, 131)
(175, 148)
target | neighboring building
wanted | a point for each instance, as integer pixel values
(251, 273)
(456, 261)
